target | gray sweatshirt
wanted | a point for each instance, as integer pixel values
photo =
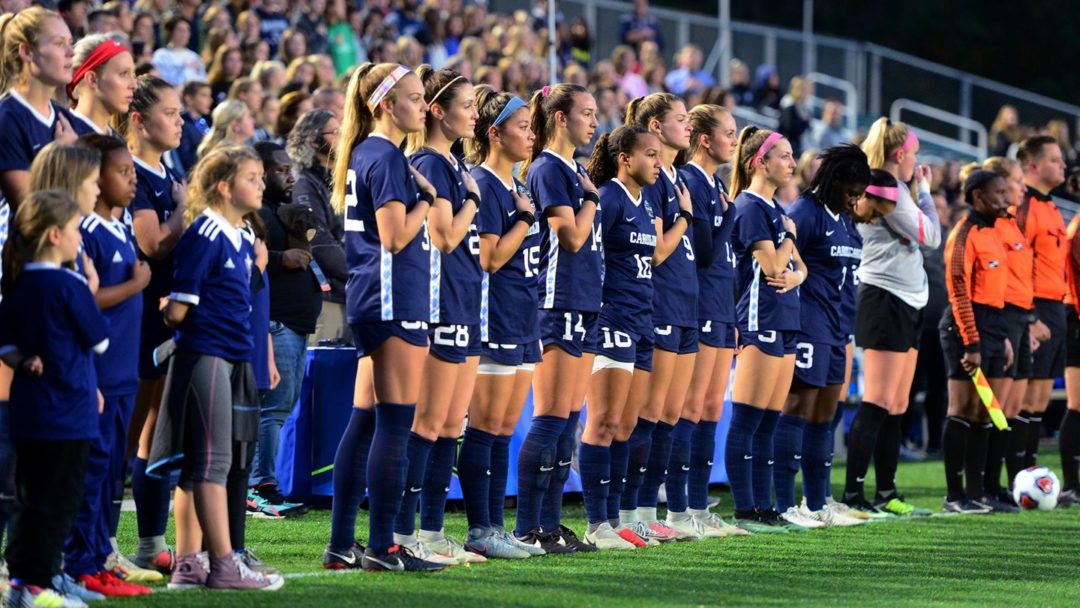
(891, 258)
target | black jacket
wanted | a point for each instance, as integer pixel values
(295, 297)
(312, 188)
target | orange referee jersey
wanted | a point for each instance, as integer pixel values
(1019, 289)
(1041, 222)
(977, 265)
(1072, 269)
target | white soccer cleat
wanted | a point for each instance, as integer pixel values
(714, 526)
(605, 538)
(685, 524)
(795, 515)
(443, 545)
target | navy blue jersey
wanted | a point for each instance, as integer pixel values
(827, 250)
(629, 241)
(508, 305)
(111, 248)
(458, 272)
(675, 280)
(153, 192)
(851, 285)
(84, 126)
(712, 245)
(384, 286)
(52, 315)
(212, 273)
(760, 307)
(568, 281)
(260, 331)
(24, 132)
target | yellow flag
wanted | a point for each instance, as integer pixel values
(986, 395)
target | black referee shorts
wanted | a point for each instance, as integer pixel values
(1049, 358)
(884, 321)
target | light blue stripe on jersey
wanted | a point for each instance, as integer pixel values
(484, 308)
(386, 283)
(434, 283)
(552, 268)
(752, 321)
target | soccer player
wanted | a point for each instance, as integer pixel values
(571, 279)
(892, 292)
(152, 128)
(712, 143)
(210, 379)
(973, 335)
(102, 86)
(454, 294)
(1039, 219)
(624, 163)
(768, 271)
(51, 329)
(804, 436)
(674, 320)
(386, 205)
(509, 329)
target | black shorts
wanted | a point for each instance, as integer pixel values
(1049, 358)
(1019, 336)
(991, 323)
(884, 321)
(1072, 339)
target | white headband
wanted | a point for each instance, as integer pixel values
(384, 87)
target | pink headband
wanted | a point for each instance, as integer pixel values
(384, 87)
(911, 141)
(767, 145)
(101, 54)
(887, 193)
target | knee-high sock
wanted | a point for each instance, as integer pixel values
(862, 438)
(679, 465)
(620, 459)
(954, 445)
(838, 419)
(418, 451)
(640, 446)
(536, 467)
(1016, 446)
(659, 457)
(350, 477)
(739, 456)
(551, 508)
(236, 486)
(387, 464)
(788, 453)
(1034, 435)
(1070, 451)
(764, 460)
(975, 459)
(594, 462)
(995, 455)
(887, 456)
(816, 454)
(474, 474)
(151, 501)
(437, 484)
(500, 463)
(702, 450)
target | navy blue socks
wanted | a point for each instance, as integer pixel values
(500, 462)
(474, 474)
(640, 446)
(419, 455)
(437, 484)
(679, 465)
(594, 462)
(702, 449)
(350, 477)
(738, 456)
(536, 467)
(816, 463)
(659, 458)
(763, 460)
(386, 471)
(151, 500)
(788, 453)
(620, 458)
(551, 507)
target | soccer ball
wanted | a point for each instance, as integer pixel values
(1036, 488)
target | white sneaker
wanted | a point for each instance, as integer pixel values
(687, 527)
(796, 516)
(714, 526)
(832, 516)
(606, 538)
(443, 545)
(843, 509)
(420, 550)
(643, 531)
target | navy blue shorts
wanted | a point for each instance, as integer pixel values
(625, 347)
(681, 340)
(453, 343)
(775, 343)
(510, 354)
(571, 330)
(717, 334)
(370, 336)
(819, 365)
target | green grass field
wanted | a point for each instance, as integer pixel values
(1030, 559)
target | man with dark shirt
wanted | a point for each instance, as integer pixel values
(639, 26)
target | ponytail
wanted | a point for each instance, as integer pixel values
(38, 212)
(742, 169)
(883, 141)
(489, 104)
(440, 86)
(543, 106)
(23, 27)
(643, 110)
(357, 123)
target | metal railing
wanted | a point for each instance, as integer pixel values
(850, 100)
(976, 152)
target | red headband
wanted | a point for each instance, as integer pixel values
(885, 192)
(101, 54)
(767, 145)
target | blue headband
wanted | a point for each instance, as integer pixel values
(512, 106)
